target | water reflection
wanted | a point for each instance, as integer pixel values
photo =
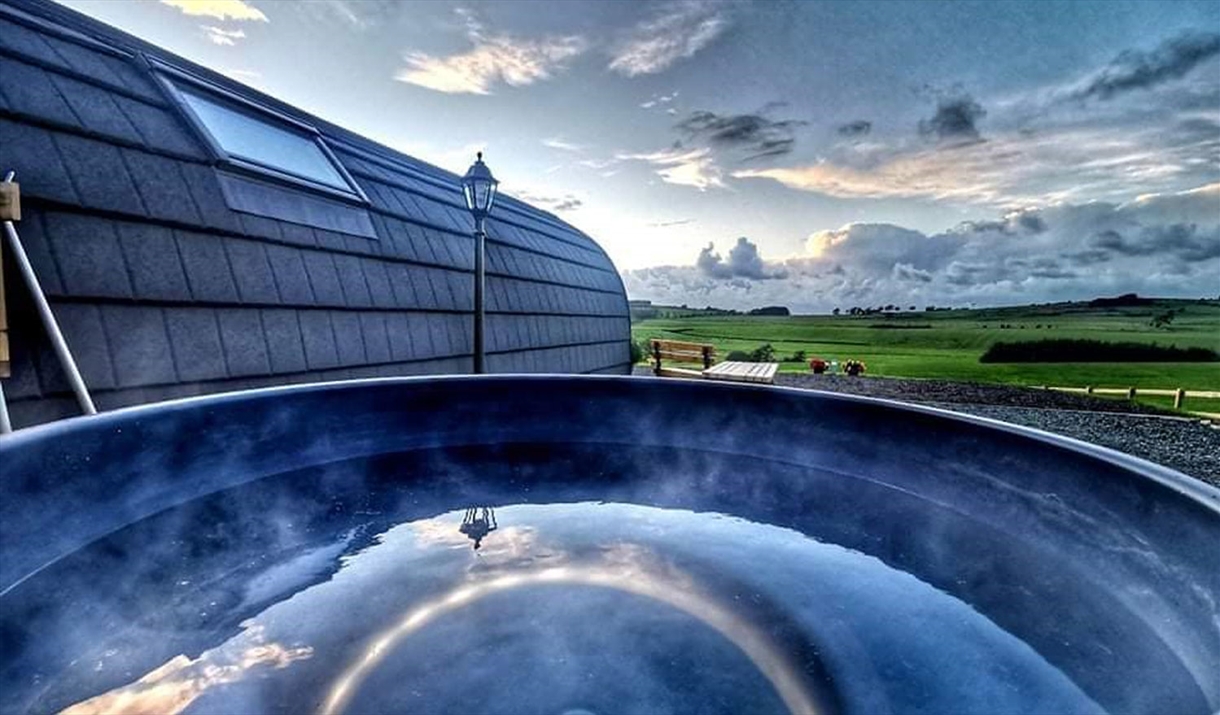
(601, 607)
(478, 522)
(624, 569)
(173, 687)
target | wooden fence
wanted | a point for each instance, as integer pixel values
(1179, 395)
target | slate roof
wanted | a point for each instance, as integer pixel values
(163, 289)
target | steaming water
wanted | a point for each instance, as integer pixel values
(616, 580)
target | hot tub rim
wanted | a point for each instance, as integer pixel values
(1185, 485)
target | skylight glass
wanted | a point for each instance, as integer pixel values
(244, 135)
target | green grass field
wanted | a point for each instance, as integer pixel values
(947, 344)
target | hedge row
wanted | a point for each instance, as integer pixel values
(1069, 350)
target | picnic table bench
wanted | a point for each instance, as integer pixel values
(699, 353)
(733, 371)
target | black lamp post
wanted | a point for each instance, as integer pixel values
(479, 187)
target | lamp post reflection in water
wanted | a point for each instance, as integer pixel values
(479, 521)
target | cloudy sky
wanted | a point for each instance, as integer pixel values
(803, 153)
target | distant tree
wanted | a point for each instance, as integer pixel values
(911, 308)
(835, 311)
(1124, 300)
(929, 308)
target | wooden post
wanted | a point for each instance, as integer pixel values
(1179, 396)
(656, 356)
(707, 356)
(1088, 390)
(1130, 393)
(10, 201)
(10, 210)
(5, 364)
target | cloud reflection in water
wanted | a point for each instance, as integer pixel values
(171, 688)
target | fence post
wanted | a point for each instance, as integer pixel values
(1130, 393)
(1088, 390)
(1179, 396)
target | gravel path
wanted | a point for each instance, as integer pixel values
(1189, 446)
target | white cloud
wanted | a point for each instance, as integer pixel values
(598, 164)
(658, 99)
(456, 159)
(560, 144)
(556, 202)
(693, 167)
(1044, 144)
(1161, 245)
(221, 36)
(1068, 163)
(249, 77)
(492, 60)
(219, 9)
(677, 32)
(357, 14)
(743, 261)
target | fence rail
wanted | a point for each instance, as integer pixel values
(1179, 395)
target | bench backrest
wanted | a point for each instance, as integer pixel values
(681, 351)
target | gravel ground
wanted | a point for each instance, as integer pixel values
(968, 393)
(1189, 446)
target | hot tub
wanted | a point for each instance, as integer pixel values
(594, 545)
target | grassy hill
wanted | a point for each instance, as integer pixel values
(948, 343)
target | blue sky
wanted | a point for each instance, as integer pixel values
(920, 152)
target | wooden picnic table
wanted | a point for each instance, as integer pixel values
(732, 371)
(763, 372)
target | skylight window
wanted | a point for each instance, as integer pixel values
(262, 141)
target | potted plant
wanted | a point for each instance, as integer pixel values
(854, 368)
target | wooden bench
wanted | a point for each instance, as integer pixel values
(699, 353)
(681, 352)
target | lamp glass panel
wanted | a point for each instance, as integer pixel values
(482, 195)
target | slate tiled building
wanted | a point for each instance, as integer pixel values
(196, 236)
